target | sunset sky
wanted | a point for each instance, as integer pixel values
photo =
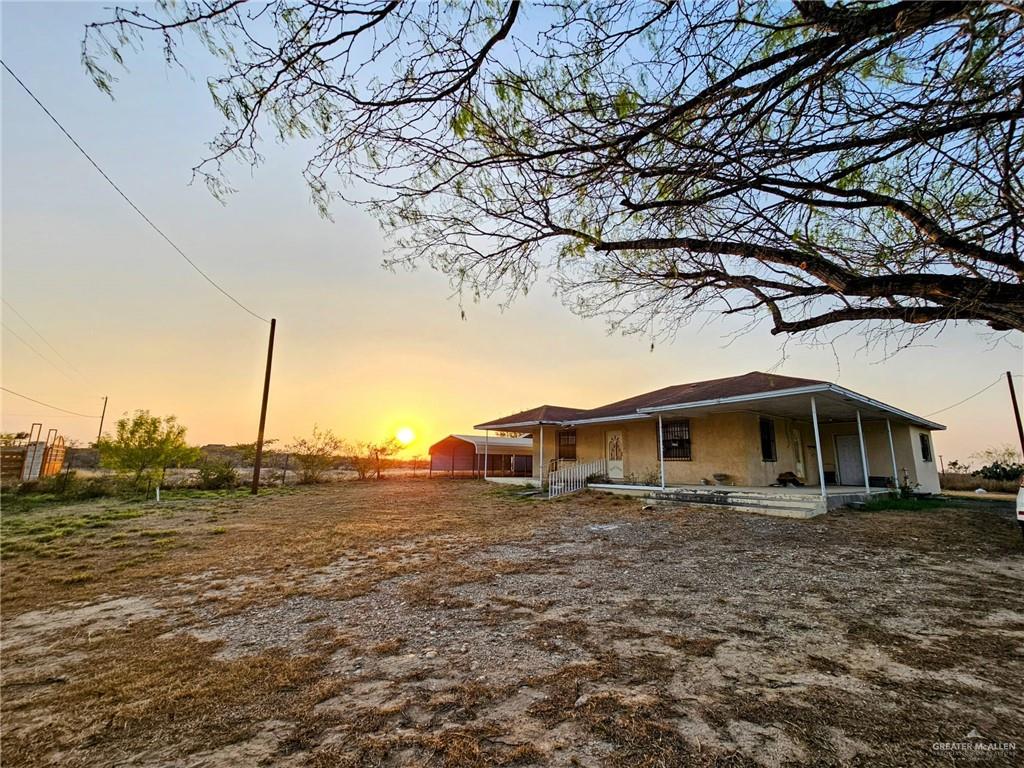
(359, 349)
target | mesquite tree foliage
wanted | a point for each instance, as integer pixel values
(810, 163)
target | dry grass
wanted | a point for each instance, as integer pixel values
(203, 701)
(452, 624)
(694, 646)
(952, 481)
(388, 647)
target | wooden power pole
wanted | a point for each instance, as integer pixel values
(99, 435)
(1016, 411)
(263, 412)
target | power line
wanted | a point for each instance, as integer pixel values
(28, 344)
(47, 405)
(37, 333)
(127, 199)
(971, 397)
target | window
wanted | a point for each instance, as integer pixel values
(768, 452)
(926, 447)
(567, 444)
(675, 440)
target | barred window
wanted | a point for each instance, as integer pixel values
(926, 447)
(567, 444)
(675, 440)
(768, 452)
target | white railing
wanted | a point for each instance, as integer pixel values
(573, 477)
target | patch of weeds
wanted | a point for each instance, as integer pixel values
(900, 504)
(462, 703)
(563, 688)
(638, 730)
(158, 533)
(645, 668)
(77, 578)
(549, 634)
(389, 647)
(906, 728)
(475, 746)
(518, 494)
(694, 646)
(537, 606)
(133, 692)
(327, 639)
(827, 666)
(354, 753)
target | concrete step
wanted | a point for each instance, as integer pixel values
(791, 505)
(741, 502)
(739, 497)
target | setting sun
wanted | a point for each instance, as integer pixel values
(405, 435)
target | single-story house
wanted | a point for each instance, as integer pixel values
(745, 431)
(482, 456)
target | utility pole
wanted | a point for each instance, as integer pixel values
(99, 435)
(263, 412)
(1016, 410)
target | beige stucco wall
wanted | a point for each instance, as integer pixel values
(926, 472)
(906, 445)
(724, 443)
(730, 443)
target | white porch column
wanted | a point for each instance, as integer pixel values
(487, 439)
(892, 453)
(817, 448)
(863, 456)
(661, 453)
(540, 473)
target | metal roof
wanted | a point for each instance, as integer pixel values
(483, 443)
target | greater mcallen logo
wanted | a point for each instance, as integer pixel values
(974, 743)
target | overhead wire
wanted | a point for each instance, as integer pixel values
(127, 199)
(970, 397)
(48, 405)
(37, 333)
(32, 347)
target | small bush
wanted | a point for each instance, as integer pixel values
(1001, 471)
(215, 475)
(69, 486)
(899, 503)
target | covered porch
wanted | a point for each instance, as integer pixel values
(797, 452)
(826, 440)
(805, 447)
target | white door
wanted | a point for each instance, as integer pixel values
(614, 452)
(851, 470)
(798, 453)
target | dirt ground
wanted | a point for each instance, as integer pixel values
(452, 623)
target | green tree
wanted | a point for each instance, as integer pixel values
(316, 454)
(369, 458)
(247, 451)
(144, 445)
(809, 163)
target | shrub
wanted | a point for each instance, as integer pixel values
(70, 486)
(371, 458)
(998, 470)
(316, 454)
(143, 445)
(215, 475)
